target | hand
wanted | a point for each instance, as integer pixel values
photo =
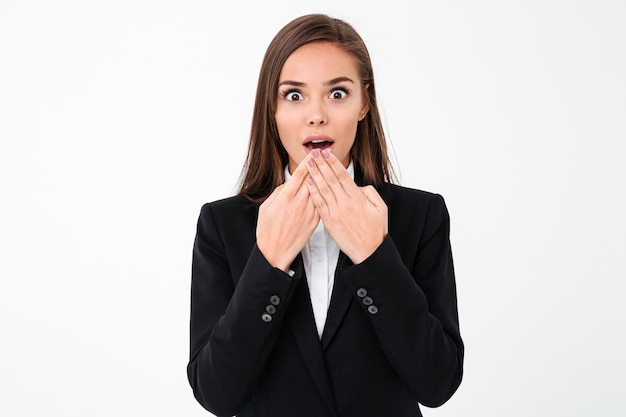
(286, 220)
(356, 217)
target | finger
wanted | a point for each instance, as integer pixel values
(322, 187)
(297, 178)
(372, 196)
(339, 172)
(316, 197)
(315, 219)
(303, 192)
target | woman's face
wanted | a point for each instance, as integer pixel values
(320, 102)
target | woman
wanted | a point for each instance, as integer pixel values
(322, 289)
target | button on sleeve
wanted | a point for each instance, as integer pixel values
(275, 300)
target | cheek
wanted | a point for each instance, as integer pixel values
(284, 122)
(349, 125)
(281, 127)
(287, 133)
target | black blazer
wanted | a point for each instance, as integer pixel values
(391, 337)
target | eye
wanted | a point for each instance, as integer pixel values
(338, 93)
(293, 95)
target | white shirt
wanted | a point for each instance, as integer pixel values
(320, 256)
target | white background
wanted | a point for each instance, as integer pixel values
(118, 119)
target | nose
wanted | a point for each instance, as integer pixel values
(317, 113)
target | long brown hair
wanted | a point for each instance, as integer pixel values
(263, 170)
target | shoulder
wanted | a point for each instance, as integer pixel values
(233, 204)
(414, 211)
(415, 218)
(229, 222)
(394, 194)
(230, 210)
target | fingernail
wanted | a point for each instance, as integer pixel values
(310, 163)
(326, 154)
(310, 181)
(315, 153)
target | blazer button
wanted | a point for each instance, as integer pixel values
(361, 292)
(270, 309)
(372, 309)
(275, 300)
(368, 301)
(266, 317)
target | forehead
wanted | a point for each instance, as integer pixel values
(319, 60)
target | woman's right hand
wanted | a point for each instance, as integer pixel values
(287, 219)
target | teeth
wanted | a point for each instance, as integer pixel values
(318, 141)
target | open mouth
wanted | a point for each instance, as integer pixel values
(317, 143)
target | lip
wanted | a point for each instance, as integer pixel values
(317, 142)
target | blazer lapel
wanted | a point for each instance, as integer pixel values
(341, 297)
(339, 302)
(302, 324)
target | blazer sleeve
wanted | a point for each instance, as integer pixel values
(414, 308)
(233, 327)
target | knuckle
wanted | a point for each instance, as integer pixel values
(343, 176)
(333, 179)
(323, 187)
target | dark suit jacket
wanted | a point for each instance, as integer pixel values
(391, 337)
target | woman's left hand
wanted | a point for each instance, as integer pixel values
(356, 217)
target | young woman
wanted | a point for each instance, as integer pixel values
(322, 289)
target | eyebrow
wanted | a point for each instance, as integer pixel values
(334, 81)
